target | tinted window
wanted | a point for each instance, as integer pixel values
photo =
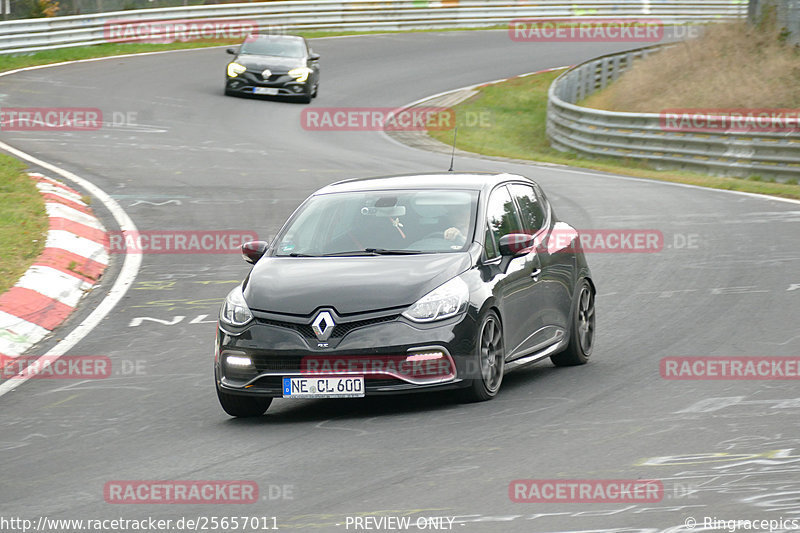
(501, 219)
(425, 220)
(274, 47)
(531, 210)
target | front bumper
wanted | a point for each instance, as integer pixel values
(278, 84)
(373, 346)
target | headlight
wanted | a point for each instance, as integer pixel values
(234, 69)
(300, 74)
(445, 301)
(235, 311)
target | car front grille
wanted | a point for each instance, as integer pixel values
(278, 363)
(339, 330)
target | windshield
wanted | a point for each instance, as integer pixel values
(402, 221)
(274, 47)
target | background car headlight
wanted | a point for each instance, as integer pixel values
(300, 74)
(445, 301)
(235, 311)
(234, 69)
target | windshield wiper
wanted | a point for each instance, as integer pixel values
(295, 254)
(368, 251)
(374, 251)
(384, 251)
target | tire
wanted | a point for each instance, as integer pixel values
(229, 92)
(243, 406)
(491, 360)
(306, 98)
(581, 337)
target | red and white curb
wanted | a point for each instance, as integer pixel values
(73, 260)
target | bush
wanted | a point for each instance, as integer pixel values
(35, 9)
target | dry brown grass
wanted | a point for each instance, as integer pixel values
(731, 65)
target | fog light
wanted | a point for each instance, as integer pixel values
(425, 356)
(238, 361)
(297, 88)
(429, 366)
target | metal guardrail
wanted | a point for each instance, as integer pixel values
(31, 35)
(596, 132)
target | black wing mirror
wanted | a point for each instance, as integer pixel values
(253, 250)
(515, 244)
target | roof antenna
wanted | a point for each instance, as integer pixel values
(453, 154)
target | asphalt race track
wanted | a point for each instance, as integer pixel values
(727, 283)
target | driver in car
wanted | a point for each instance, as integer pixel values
(458, 231)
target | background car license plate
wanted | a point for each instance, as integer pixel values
(265, 90)
(324, 387)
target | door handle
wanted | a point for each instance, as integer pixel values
(535, 274)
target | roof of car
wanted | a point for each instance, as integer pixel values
(441, 180)
(273, 36)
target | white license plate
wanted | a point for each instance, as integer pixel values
(265, 90)
(324, 387)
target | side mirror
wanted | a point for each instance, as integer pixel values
(253, 250)
(515, 244)
(312, 56)
(231, 51)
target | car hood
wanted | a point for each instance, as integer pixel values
(299, 285)
(282, 64)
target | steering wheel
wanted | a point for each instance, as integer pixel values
(434, 235)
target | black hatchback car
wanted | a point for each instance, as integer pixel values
(405, 283)
(273, 65)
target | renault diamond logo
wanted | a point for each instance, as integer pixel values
(266, 74)
(323, 325)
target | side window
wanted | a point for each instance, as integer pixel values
(501, 219)
(531, 210)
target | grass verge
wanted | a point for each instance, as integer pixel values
(23, 221)
(508, 119)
